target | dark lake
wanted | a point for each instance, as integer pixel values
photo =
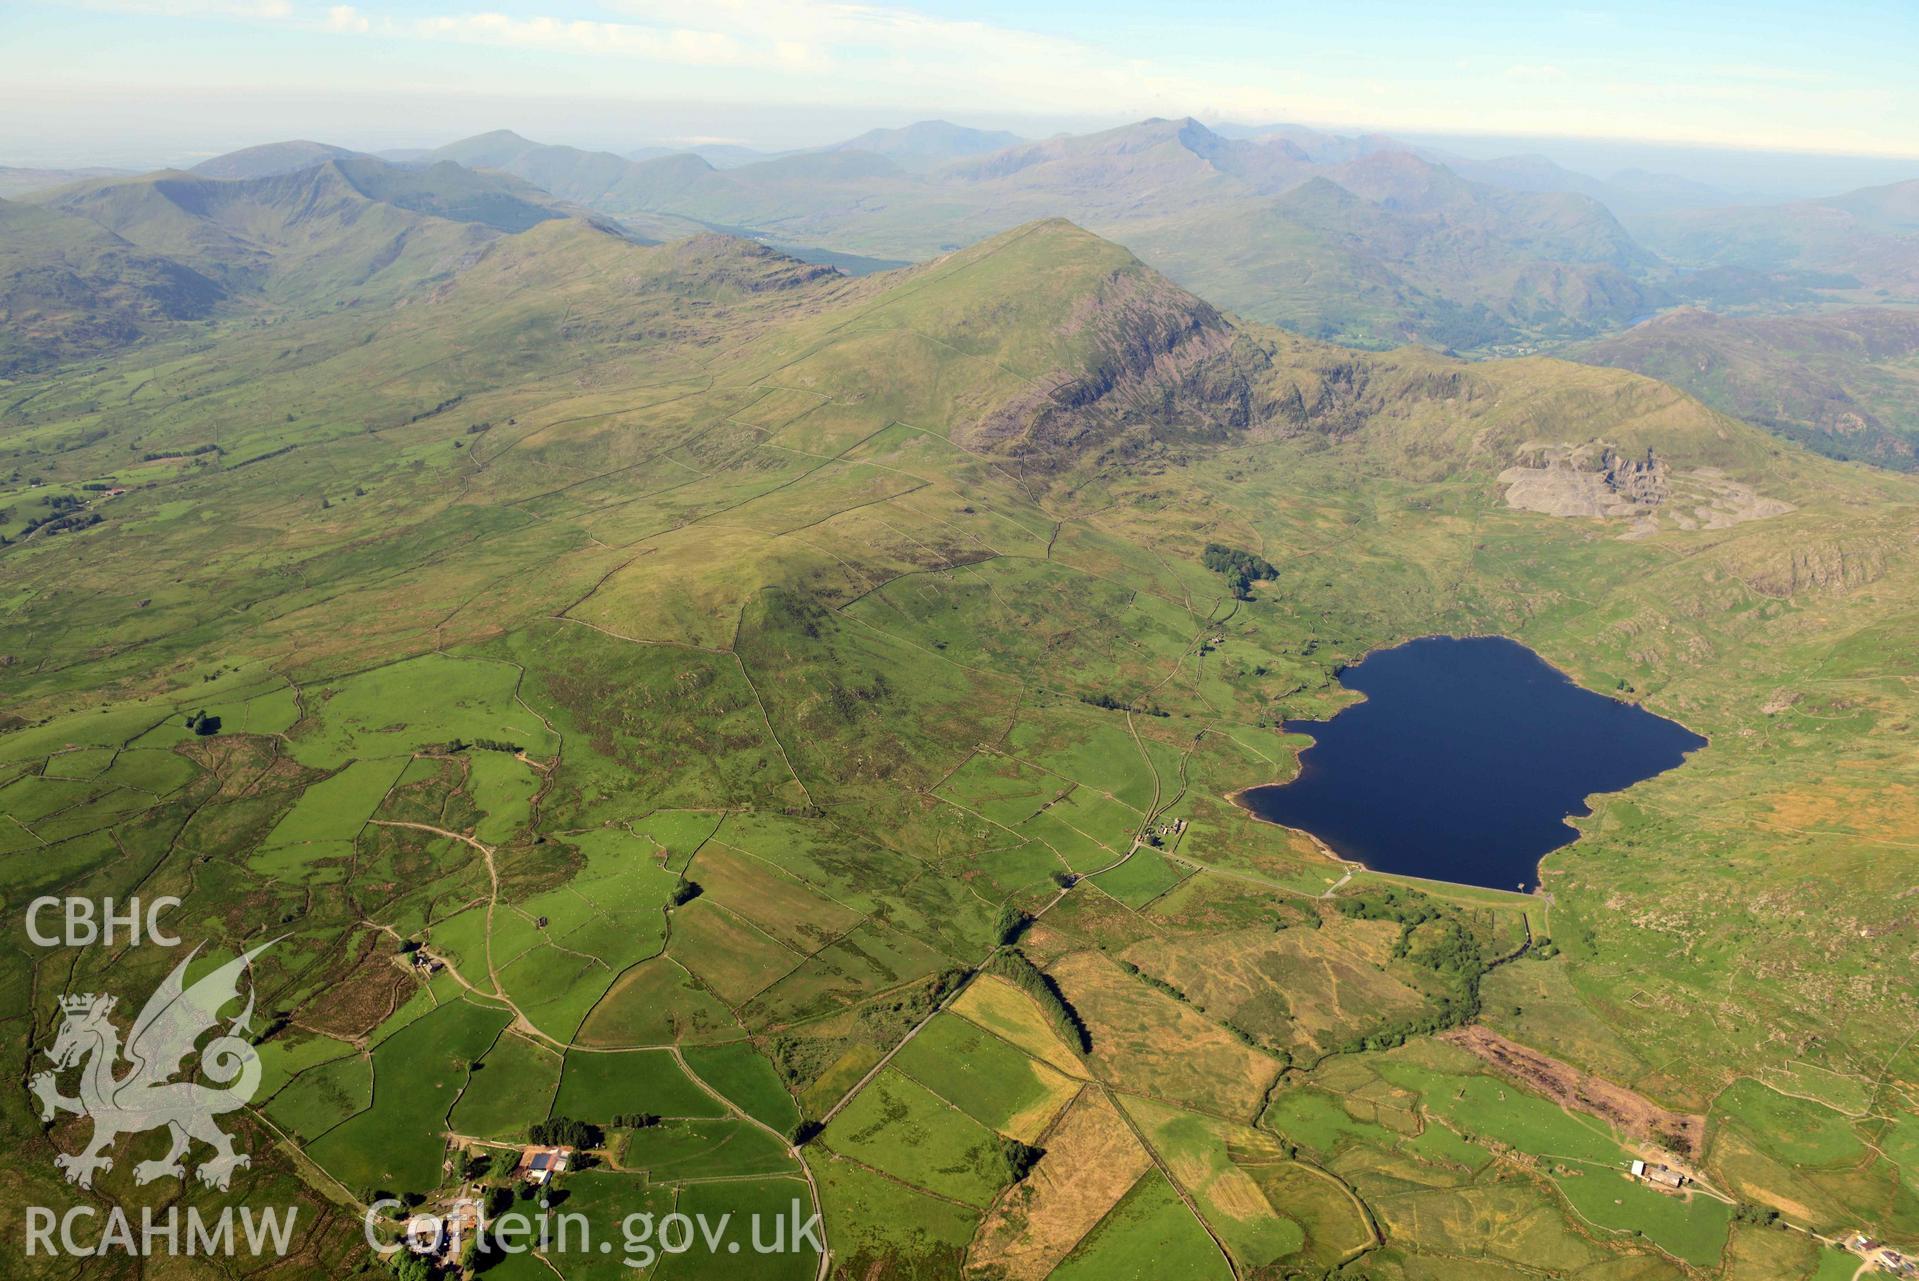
(1465, 761)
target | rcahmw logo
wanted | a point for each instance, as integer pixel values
(161, 1044)
(171, 1231)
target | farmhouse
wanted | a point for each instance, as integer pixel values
(538, 1164)
(1661, 1175)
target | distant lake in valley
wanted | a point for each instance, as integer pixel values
(1465, 761)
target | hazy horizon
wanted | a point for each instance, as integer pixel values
(117, 139)
(99, 82)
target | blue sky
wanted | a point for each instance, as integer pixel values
(89, 75)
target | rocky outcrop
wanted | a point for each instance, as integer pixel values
(1820, 566)
(1162, 366)
(1595, 480)
(713, 264)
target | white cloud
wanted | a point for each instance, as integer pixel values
(345, 18)
(258, 10)
(868, 52)
(678, 45)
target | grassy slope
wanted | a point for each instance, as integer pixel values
(812, 579)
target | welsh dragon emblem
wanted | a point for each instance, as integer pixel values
(145, 1096)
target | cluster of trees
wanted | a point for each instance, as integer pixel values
(202, 724)
(564, 1132)
(1435, 939)
(452, 746)
(1157, 983)
(1247, 1039)
(1763, 1216)
(685, 892)
(64, 512)
(1390, 903)
(635, 1120)
(1444, 945)
(276, 1024)
(1391, 1036)
(440, 408)
(408, 1266)
(271, 453)
(64, 524)
(196, 451)
(1240, 567)
(1013, 966)
(1020, 1157)
(880, 1024)
(1011, 924)
(1109, 703)
(883, 1022)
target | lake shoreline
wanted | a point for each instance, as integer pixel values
(1456, 806)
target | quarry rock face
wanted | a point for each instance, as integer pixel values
(1585, 480)
(1596, 480)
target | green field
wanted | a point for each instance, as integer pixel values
(598, 1087)
(1693, 1230)
(872, 1218)
(984, 1077)
(322, 1097)
(509, 1090)
(745, 1077)
(418, 1074)
(775, 1206)
(1794, 1130)
(903, 1130)
(1149, 1234)
(716, 1149)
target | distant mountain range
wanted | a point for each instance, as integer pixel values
(100, 263)
(1350, 239)
(1867, 238)
(1628, 192)
(1359, 239)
